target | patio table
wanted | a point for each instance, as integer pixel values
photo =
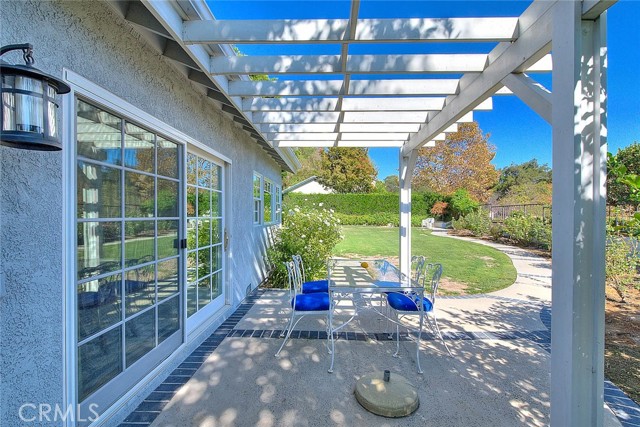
(349, 278)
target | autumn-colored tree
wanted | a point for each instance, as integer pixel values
(311, 161)
(462, 161)
(347, 170)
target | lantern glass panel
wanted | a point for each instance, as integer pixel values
(29, 113)
(8, 111)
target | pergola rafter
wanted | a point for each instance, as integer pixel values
(436, 63)
(357, 88)
(323, 31)
(411, 101)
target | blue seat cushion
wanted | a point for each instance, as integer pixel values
(318, 301)
(315, 286)
(403, 302)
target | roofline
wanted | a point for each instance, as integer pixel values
(299, 184)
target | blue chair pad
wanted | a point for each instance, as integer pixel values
(402, 302)
(318, 301)
(315, 286)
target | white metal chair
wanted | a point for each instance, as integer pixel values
(303, 304)
(417, 266)
(310, 287)
(410, 304)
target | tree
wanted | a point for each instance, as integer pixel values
(528, 192)
(626, 161)
(462, 161)
(392, 183)
(311, 161)
(347, 170)
(525, 173)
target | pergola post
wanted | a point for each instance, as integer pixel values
(407, 164)
(579, 205)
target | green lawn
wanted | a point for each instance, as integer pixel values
(468, 267)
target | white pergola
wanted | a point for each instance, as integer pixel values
(421, 98)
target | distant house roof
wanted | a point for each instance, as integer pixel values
(311, 180)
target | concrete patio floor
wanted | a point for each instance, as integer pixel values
(498, 375)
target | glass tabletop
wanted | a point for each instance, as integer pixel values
(357, 275)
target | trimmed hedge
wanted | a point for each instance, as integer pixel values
(365, 209)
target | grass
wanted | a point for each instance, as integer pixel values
(479, 268)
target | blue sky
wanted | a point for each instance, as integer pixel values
(516, 131)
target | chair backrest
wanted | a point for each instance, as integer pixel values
(299, 265)
(418, 263)
(431, 283)
(295, 283)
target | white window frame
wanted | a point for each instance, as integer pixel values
(278, 204)
(268, 182)
(258, 218)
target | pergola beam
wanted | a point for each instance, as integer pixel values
(532, 45)
(532, 93)
(354, 136)
(348, 104)
(340, 143)
(356, 64)
(324, 31)
(357, 88)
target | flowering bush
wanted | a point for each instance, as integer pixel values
(311, 233)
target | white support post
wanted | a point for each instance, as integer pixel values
(407, 164)
(579, 197)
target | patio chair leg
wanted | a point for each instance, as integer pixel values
(420, 371)
(388, 317)
(397, 341)
(287, 332)
(435, 322)
(286, 338)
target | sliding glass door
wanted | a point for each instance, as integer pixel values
(205, 237)
(128, 261)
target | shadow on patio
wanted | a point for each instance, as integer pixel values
(498, 382)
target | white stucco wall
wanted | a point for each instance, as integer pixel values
(90, 39)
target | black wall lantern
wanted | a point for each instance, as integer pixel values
(29, 117)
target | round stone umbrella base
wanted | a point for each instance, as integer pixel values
(394, 398)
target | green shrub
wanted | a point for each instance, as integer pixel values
(528, 230)
(462, 204)
(378, 209)
(478, 223)
(495, 231)
(621, 261)
(311, 233)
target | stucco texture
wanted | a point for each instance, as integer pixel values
(90, 39)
